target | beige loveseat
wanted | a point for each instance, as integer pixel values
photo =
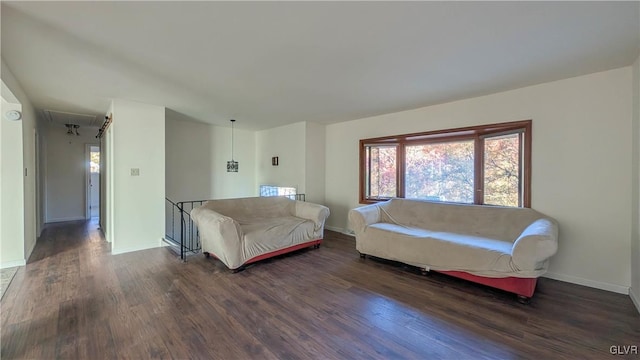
(245, 230)
(502, 247)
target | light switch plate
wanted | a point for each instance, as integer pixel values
(135, 172)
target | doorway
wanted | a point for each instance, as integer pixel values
(93, 182)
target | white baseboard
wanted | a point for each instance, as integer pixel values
(635, 298)
(132, 249)
(10, 264)
(590, 283)
(29, 251)
(73, 218)
(340, 230)
(164, 242)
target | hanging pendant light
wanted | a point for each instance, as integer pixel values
(71, 128)
(232, 166)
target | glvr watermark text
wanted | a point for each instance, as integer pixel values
(623, 349)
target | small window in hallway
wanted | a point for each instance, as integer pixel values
(95, 160)
(93, 183)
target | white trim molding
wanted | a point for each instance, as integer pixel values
(333, 228)
(340, 230)
(10, 264)
(635, 299)
(30, 251)
(73, 218)
(590, 283)
(132, 249)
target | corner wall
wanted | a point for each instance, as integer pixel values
(580, 176)
(300, 148)
(635, 197)
(137, 200)
(19, 230)
(107, 169)
(196, 160)
(11, 190)
(288, 144)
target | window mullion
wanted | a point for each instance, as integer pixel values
(368, 176)
(478, 171)
(363, 176)
(400, 169)
(526, 177)
(520, 170)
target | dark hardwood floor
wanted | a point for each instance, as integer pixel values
(74, 300)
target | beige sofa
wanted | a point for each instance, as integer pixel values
(245, 230)
(502, 247)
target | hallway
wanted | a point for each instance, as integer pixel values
(74, 300)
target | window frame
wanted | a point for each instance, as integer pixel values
(476, 133)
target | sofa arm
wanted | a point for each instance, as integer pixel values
(314, 212)
(360, 218)
(220, 235)
(537, 243)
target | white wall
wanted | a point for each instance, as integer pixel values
(65, 174)
(11, 188)
(3, 108)
(288, 144)
(196, 160)
(41, 167)
(137, 201)
(635, 166)
(315, 162)
(197, 154)
(103, 181)
(581, 155)
(21, 222)
(29, 133)
(300, 149)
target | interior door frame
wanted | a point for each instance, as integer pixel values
(87, 179)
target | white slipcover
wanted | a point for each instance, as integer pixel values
(487, 241)
(238, 230)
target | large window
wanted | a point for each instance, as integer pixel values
(488, 164)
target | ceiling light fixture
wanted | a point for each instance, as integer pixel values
(232, 166)
(71, 128)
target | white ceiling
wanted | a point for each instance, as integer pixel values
(272, 63)
(59, 119)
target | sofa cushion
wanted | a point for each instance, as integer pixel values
(247, 209)
(264, 235)
(492, 222)
(439, 250)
